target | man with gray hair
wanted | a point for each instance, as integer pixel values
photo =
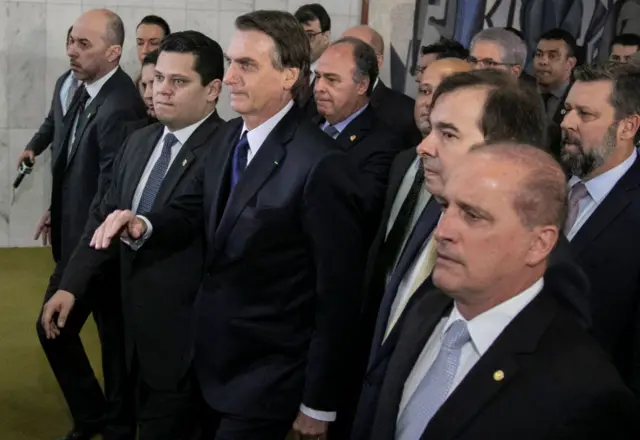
(498, 48)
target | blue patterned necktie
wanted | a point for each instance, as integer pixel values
(331, 131)
(156, 177)
(240, 157)
(435, 386)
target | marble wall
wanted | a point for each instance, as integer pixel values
(32, 56)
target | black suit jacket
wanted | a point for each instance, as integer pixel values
(372, 146)
(558, 384)
(51, 131)
(307, 102)
(396, 109)
(101, 131)
(606, 247)
(158, 287)
(284, 257)
(558, 116)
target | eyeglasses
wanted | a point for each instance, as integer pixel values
(311, 35)
(488, 62)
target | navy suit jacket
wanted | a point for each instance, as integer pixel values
(284, 269)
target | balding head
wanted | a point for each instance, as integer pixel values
(504, 205)
(95, 44)
(369, 36)
(429, 82)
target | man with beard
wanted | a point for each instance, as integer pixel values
(600, 129)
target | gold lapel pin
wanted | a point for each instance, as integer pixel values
(184, 162)
(352, 138)
(498, 375)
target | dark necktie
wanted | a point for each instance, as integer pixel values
(398, 233)
(157, 175)
(80, 98)
(240, 156)
(546, 97)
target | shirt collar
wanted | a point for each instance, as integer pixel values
(600, 186)
(343, 124)
(486, 327)
(258, 135)
(185, 133)
(94, 88)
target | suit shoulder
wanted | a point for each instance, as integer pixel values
(402, 99)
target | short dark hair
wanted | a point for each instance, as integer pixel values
(115, 29)
(151, 58)
(157, 21)
(512, 112)
(292, 48)
(445, 48)
(312, 12)
(540, 199)
(625, 94)
(209, 60)
(558, 34)
(365, 59)
(627, 40)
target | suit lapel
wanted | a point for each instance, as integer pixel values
(378, 94)
(614, 203)
(91, 110)
(356, 130)
(426, 223)
(266, 161)
(140, 160)
(186, 157)
(495, 369)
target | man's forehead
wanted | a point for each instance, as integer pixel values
(556, 45)
(312, 25)
(460, 103)
(590, 92)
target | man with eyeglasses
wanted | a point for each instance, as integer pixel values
(317, 26)
(503, 49)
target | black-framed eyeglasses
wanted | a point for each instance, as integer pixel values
(488, 62)
(311, 35)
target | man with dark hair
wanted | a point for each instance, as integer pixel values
(468, 108)
(93, 129)
(443, 48)
(147, 77)
(624, 46)
(553, 62)
(149, 34)
(157, 163)
(281, 212)
(600, 129)
(393, 107)
(346, 73)
(495, 339)
(317, 26)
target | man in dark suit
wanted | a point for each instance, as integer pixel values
(393, 107)
(600, 131)
(494, 341)
(94, 129)
(345, 76)
(283, 242)
(553, 63)
(468, 108)
(316, 23)
(157, 164)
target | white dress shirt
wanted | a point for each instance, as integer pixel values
(92, 89)
(484, 329)
(312, 69)
(65, 90)
(183, 136)
(598, 188)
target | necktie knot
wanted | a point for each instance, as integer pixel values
(576, 194)
(456, 335)
(331, 130)
(169, 141)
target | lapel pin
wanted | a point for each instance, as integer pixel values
(275, 162)
(184, 162)
(498, 375)
(352, 138)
